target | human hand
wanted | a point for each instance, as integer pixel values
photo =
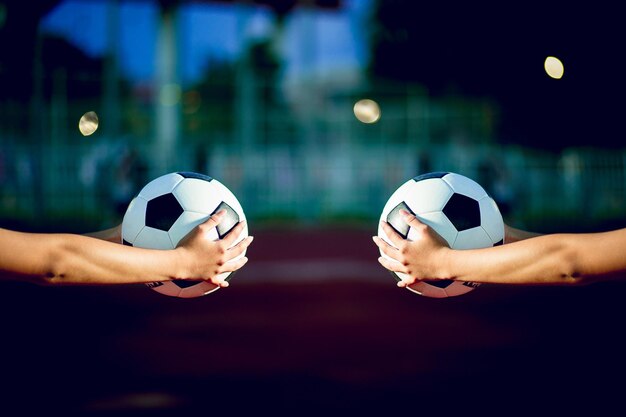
(418, 259)
(203, 258)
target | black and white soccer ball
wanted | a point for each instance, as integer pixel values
(168, 208)
(457, 208)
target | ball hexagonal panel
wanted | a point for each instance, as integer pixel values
(427, 195)
(134, 219)
(160, 186)
(464, 185)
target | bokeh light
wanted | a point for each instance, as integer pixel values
(88, 123)
(554, 67)
(367, 111)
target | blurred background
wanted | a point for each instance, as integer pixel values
(99, 97)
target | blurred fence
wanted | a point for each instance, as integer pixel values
(300, 184)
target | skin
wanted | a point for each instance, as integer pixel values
(94, 259)
(527, 258)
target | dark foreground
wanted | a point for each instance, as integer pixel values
(298, 342)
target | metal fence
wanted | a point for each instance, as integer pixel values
(303, 184)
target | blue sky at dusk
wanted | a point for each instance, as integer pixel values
(315, 42)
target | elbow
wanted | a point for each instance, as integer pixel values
(52, 279)
(573, 279)
(571, 273)
(55, 273)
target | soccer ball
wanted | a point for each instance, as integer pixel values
(457, 208)
(168, 208)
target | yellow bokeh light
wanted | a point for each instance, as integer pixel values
(88, 123)
(554, 67)
(367, 111)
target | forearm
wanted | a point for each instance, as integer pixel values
(548, 259)
(74, 259)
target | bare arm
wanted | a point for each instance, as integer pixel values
(82, 260)
(556, 259)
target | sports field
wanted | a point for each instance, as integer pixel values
(309, 331)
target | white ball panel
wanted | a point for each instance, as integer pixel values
(457, 288)
(153, 239)
(464, 185)
(474, 238)
(185, 224)
(440, 223)
(168, 288)
(427, 195)
(134, 219)
(491, 219)
(198, 195)
(159, 186)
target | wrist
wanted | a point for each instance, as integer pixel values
(179, 262)
(444, 263)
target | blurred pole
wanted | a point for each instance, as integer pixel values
(58, 108)
(38, 129)
(309, 87)
(246, 96)
(111, 95)
(56, 158)
(418, 117)
(167, 89)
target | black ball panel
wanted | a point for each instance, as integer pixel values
(162, 212)
(184, 283)
(228, 222)
(195, 175)
(430, 175)
(463, 212)
(443, 284)
(396, 221)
